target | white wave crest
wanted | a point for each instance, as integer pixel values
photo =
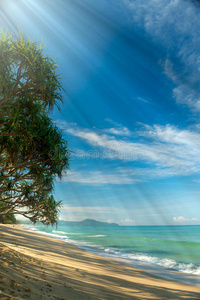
(98, 235)
(166, 262)
(59, 232)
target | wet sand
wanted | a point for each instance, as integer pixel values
(34, 266)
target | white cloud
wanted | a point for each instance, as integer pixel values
(98, 177)
(143, 100)
(175, 25)
(181, 219)
(123, 131)
(170, 150)
(129, 221)
(110, 220)
(173, 22)
(172, 135)
(118, 129)
(187, 91)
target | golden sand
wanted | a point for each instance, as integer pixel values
(34, 266)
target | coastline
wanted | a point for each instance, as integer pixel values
(35, 266)
(103, 242)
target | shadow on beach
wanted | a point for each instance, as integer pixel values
(34, 266)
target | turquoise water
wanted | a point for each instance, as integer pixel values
(172, 252)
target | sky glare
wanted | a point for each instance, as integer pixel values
(131, 115)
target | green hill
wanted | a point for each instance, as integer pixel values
(87, 222)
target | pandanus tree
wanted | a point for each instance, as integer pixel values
(32, 150)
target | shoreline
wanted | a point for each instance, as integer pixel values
(164, 272)
(35, 266)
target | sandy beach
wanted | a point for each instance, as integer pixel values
(34, 266)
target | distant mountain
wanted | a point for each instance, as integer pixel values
(87, 222)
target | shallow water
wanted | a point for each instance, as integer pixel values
(171, 252)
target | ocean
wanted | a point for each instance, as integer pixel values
(170, 252)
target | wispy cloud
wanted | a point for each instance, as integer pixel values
(174, 25)
(172, 135)
(99, 177)
(182, 219)
(118, 129)
(187, 90)
(167, 19)
(169, 150)
(143, 100)
(128, 221)
(122, 131)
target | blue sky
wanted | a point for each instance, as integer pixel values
(131, 115)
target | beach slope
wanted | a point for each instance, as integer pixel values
(34, 266)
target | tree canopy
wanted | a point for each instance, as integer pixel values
(32, 150)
